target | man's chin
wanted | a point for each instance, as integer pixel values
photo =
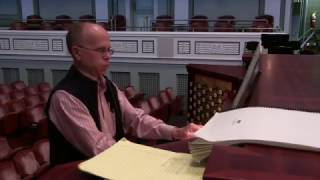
(103, 71)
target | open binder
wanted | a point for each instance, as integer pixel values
(258, 125)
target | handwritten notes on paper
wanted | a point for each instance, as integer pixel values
(126, 160)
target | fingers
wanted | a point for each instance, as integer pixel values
(193, 127)
(186, 132)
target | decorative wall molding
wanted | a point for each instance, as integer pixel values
(134, 47)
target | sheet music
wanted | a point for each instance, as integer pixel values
(258, 125)
(274, 126)
(126, 160)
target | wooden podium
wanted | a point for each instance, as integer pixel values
(211, 89)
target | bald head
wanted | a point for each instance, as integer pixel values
(80, 33)
(89, 45)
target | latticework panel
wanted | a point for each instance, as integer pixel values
(122, 79)
(207, 96)
(149, 83)
(35, 76)
(182, 88)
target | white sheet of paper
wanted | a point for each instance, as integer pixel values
(272, 126)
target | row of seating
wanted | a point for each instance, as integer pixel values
(22, 116)
(18, 90)
(198, 23)
(226, 23)
(163, 106)
(20, 85)
(64, 22)
(24, 163)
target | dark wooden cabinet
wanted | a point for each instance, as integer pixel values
(211, 89)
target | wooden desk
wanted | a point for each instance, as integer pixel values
(71, 171)
(257, 162)
(251, 162)
(288, 81)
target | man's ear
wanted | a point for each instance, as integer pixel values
(75, 52)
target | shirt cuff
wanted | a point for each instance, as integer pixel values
(166, 131)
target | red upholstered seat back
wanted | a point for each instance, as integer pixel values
(41, 151)
(5, 150)
(18, 85)
(5, 89)
(26, 162)
(8, 171)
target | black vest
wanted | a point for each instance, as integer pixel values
(85, 89)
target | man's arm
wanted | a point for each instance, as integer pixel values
(145, 126)
(73, 120)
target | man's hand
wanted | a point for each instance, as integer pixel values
(186, 132)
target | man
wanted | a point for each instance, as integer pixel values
(87, 112)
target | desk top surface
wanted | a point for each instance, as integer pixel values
(288, 81)
(251, 162)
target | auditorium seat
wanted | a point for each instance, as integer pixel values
(31, 90)
(26, 164)
(199, 23)
(227, 18)
(47, 26)
(4, 109)
(62, 22)
(105, 25)
(34, 22)
(87, 18)
(8, 171)
(118, 23)
(9, 123)
(133, 96)
(164, 98)
(260, 26)
(269, 18)
(33, 101)
(17, 94)
(44, 97)
(164, 23)
(177, 101)
(18, 25)
(144, 105)
(154, 102)
(4, 98)
(158, 110)
(36, 121)
(18, 85)
(41, 152)
(5, 150)
(223, 26)
(5, 89)
(16, 105)
(44, 87)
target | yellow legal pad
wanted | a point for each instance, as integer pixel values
(126, 160)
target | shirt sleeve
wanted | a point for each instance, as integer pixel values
(72, 118)
(143, 125)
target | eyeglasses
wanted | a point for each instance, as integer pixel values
(101, 50)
